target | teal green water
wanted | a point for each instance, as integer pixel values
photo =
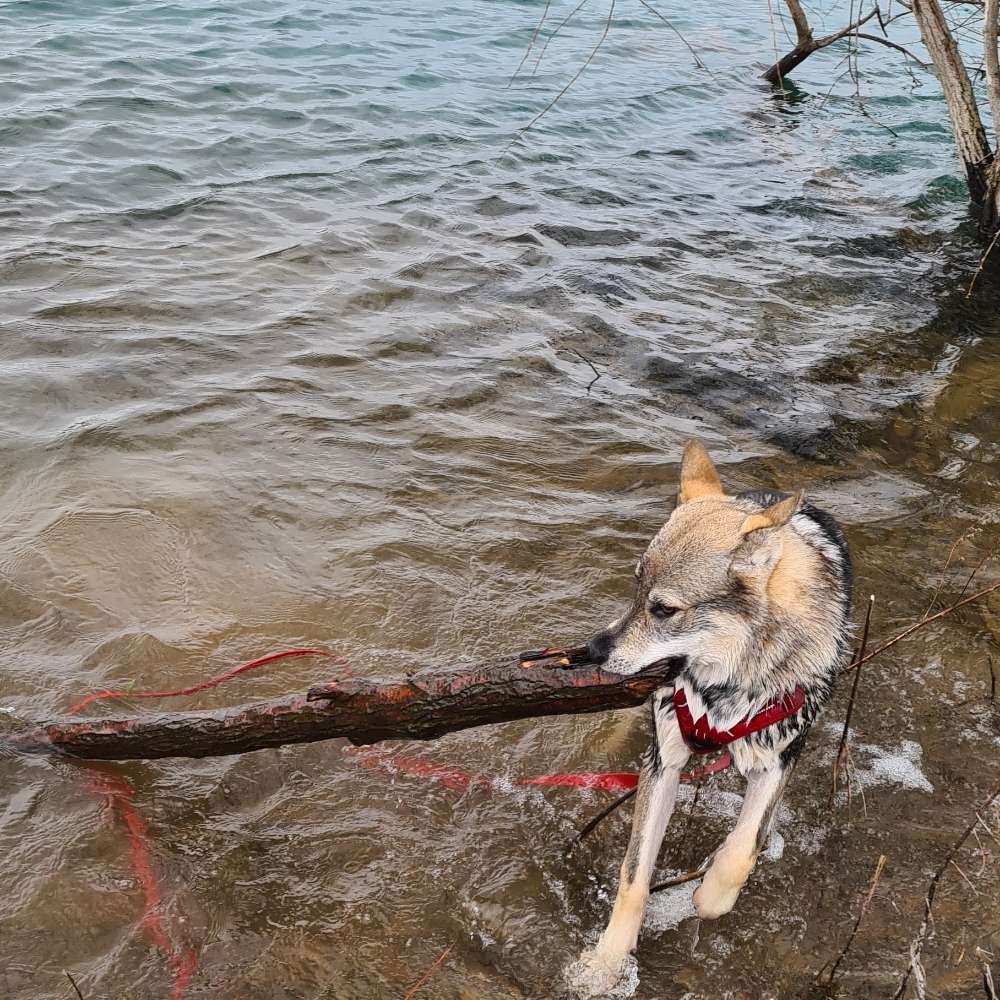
(298, 343)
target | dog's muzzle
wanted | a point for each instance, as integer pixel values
(600, 646)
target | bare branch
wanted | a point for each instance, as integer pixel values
(841, 758)
(425, 705)
(591, 825)
(807, 44)
(892, 45)
(803, 33)
(822, 43)
(430, 972)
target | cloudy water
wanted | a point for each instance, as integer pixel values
(304, 342)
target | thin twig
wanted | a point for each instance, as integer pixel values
(76, 989)
(979, 565)
(679, 880)
(919, 625)
(690, 812)
(559, 27)
(866, 902)
(774, 46)
(991, 993)
(982, 263)
(964, 876)
(531, 43)
(688, 45)
(986, 827)
(993, 680)
(841, 757)
(597, 374)
(892, 45)
(951, 555)
(822, 43)
(576, 76)
(588, 828)
(914, 967)
(427, 975)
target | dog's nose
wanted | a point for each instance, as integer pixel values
(599, 647)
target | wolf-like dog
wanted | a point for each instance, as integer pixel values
(751, 593)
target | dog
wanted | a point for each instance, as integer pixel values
(750, 595)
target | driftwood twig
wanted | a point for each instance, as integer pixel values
(412, 992)
(866, 902)
(841, 759)
(72, 982)
(907, 632)
(680, 879)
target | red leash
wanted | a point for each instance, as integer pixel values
(118, 796)
(204, 685)
(458, 780)
(118, 799)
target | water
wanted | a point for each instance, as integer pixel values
(299, 347)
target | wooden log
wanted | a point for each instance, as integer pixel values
(422, 707)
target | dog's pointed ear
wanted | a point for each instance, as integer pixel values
(775, 516)
(698, 475)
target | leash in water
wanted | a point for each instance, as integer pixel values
(203, 685)
(118, 796)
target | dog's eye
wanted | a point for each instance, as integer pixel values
(662, 611)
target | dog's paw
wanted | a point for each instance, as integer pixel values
(596, 976)
(714, 898)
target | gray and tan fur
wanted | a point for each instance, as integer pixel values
(752, 591)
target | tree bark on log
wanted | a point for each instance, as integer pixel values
(422, 707)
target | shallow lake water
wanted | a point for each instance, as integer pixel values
(303, 344)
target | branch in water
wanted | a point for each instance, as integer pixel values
(806, 44)
(423, 707)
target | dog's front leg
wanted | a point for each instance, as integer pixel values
(734, 861)
(599, 969)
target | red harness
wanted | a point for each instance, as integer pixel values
(702, 738)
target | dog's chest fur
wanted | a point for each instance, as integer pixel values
(801, 641)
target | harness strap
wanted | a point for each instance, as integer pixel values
(702, 738)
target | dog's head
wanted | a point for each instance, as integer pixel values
(703, 577)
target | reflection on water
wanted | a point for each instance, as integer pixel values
(297, 351)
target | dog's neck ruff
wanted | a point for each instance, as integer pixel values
(700, 737)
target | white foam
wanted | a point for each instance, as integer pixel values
(887, 767)
(775, 847)
(877, 765)
(668, 908)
